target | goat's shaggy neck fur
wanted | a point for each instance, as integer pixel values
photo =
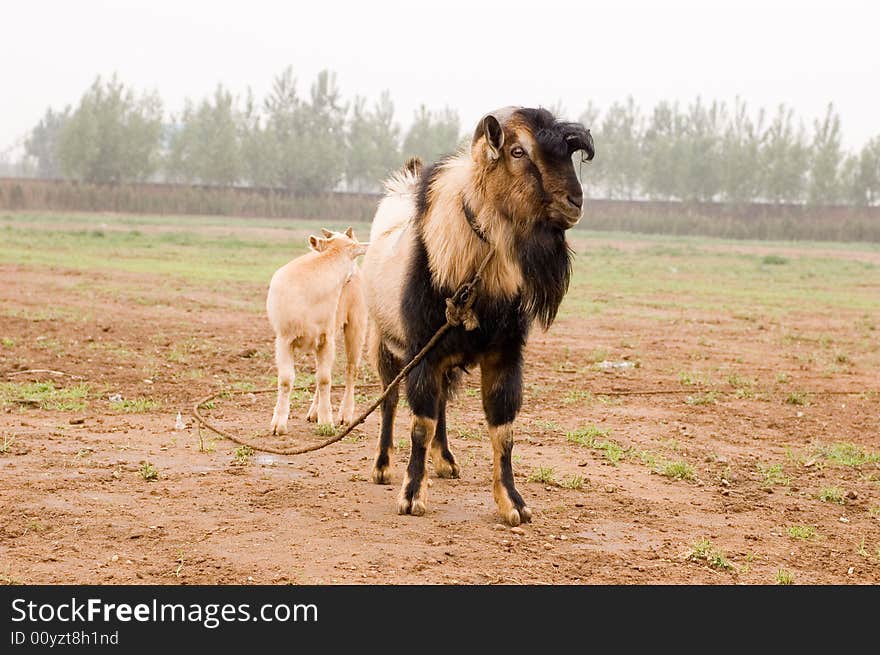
(532, 260)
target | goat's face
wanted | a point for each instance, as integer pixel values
(344, 242)
(526, 160)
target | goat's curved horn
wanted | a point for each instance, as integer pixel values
(581, 139)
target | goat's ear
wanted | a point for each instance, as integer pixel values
(327, 233)
(316, 244)
(349, 232)
(494, 135)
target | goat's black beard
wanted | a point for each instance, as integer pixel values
(545, 260)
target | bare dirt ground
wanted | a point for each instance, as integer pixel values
(75, 507)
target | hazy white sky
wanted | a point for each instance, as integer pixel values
(474, 56)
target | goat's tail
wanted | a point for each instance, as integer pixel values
(406, 179)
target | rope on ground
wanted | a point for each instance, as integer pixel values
(360, 419)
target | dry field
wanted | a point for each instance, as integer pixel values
(703, 411)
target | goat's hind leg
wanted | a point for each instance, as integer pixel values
(286, 374)
(423, 394)
(354, 345)
(444, 461)
(388, 366)
(312, 415)
(324, 354)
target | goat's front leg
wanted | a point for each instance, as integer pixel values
(422, 393)
(324, 354)
(502, 398)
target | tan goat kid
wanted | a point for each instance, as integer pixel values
(309, 300)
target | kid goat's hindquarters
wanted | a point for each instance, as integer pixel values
(309, 299)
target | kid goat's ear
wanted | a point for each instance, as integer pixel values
(316, 244)
(349, 232)
(327, 233)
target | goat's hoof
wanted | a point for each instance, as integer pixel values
(516, 516)
(279, 428)
(415, 507)
(311, 418)
(446, 469)
(381, 476)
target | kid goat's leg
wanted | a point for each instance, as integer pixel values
(324, 354)
(284, 363)
(354, 345)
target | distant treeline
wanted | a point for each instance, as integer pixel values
(739, 221)
(319, 142)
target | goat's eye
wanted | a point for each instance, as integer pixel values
(517, 152)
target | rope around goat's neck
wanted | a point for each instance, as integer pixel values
(453, 319)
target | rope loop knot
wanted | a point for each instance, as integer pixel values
(459, 308)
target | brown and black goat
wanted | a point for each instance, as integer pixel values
(514, 190)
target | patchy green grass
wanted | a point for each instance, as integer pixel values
(8, 580)
(704, 552)
(573, 396)
(470, 434)
(689, 269)
(243, 454)
(543, 474)
(325, 430)
(148, 472)
(846, 454)
(44, 395)
(774, 260)
(797, 398)
(139, 405)
(587, 436)
(8, 442)
(690, 378)
(679, 470)
(596, 438)
(831, 495)
(772, 476)
(708, 398)
(550, 426)
(804, 532)
(7, 342)
(573, 482)
(611, 450)
(783, 577)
